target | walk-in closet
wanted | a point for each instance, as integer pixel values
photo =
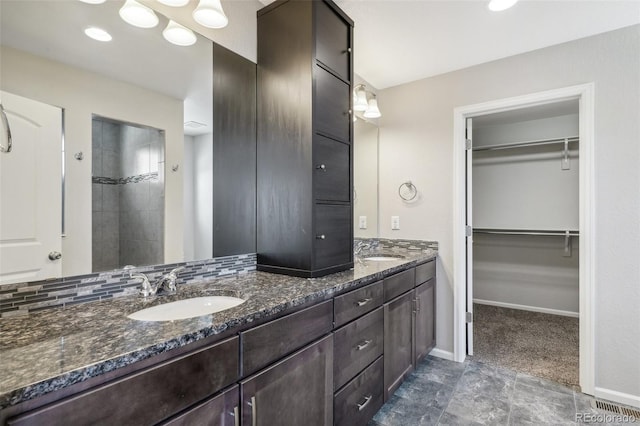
(525, 216)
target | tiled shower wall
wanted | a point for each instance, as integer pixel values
(128, 195)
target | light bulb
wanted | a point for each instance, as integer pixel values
(98, 34)
(499, 5)
(209, 13)
(372, 111)
(138, 15)
(178, 35)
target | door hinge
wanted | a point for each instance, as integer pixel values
(468, 231)
(469, 317)
(467, 144)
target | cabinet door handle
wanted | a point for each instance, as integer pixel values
(363, 301)
(254, 411)
(418, 303)
(236, 416)
(322, 167)
(363, 345)
(320, 237)
(367, 399)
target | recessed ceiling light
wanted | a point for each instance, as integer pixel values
(93, 1)
(98, 34)
(174, 3)
(138, 15)
(499, 5)
(179, 35)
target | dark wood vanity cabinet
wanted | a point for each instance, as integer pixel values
(425, 315)
(305, 133)
(295, 391)
(221, 410)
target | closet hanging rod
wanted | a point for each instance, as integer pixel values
(525, 232)
(525, 143)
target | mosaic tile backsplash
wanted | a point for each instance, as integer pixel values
(22, 298)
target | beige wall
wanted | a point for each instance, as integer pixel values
(416, 144)
(80, 94)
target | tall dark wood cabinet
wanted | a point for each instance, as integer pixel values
(234, 153)
(305, 133)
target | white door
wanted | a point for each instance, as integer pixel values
(30, 191)
(469, 234)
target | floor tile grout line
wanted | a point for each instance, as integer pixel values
(453, 392)
(515, 383)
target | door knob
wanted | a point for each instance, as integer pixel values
(55, 255)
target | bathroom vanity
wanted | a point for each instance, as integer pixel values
(298, 351)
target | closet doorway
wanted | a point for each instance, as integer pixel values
(523, 289)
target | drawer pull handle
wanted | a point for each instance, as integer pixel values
(322, 167)
(236, 416)
(320, 237)
(363, 301)
(363, 345)
(367, 400)
(254, 411)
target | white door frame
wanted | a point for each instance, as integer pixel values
(587, 248)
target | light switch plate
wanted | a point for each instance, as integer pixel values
(362, 221)
(395, 222)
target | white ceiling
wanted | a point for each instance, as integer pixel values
(398, 41)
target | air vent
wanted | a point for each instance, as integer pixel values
(614, 408)
(194, 125)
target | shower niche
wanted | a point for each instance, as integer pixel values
(127, 176)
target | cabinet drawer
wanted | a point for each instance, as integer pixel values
(359, 401)
(356, 303)
(356, 345)
(332, 40)
(168, 388)
(333, 244)
(331, 106)
(397, 284)
(425, 272)
(266, 343)
(221, 410)
(332, 169)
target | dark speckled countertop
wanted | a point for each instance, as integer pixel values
(51, 350)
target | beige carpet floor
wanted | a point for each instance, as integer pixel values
(538, 344)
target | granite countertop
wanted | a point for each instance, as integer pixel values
(51, 350)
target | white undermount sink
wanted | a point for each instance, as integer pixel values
(383, 258)
(187, 308)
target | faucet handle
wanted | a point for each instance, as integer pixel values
(147, 289)
(175, 271)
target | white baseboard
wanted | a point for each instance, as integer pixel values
(527, 308)
(442, 354)
(619, 397)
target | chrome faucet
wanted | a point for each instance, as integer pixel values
(166, 283)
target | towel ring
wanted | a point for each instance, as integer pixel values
(407, 191)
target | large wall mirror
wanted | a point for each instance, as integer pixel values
(365, 179)
(134, 182)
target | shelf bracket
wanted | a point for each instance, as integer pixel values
(566, 162)
(567, 244)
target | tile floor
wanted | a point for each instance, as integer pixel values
(441, 392)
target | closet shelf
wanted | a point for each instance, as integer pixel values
(526, 232)
(526, 143)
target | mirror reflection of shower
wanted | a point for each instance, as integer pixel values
(127, 194)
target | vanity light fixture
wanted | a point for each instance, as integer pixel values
(499, 5)
(178, 35)
(209, 13)
(372, 110)
(174, 3)
(138, 15)
(98, 34)
(93, 1)
(360, 98)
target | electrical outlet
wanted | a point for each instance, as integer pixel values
(395, 222)
(363, 222)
